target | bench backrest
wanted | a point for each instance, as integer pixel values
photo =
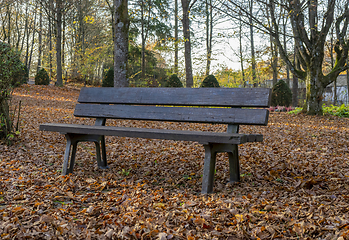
(204, 105)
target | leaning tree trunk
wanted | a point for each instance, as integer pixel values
(121, 26)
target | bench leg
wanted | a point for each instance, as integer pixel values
(70, 142)
(72, 157)
(234, 167)
(209, 169)
(104, 153)
(66, 156)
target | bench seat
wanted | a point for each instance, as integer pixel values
(179, 135)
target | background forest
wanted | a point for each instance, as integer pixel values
(227, 39)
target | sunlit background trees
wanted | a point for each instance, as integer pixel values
(241, 43)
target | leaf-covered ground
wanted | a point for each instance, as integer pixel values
(294, 184)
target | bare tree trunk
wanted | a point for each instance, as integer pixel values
(209, 25)
(9, 24)
(295, 82)
(121, 43)
(187, 44)
(144, 35)
(143, 42)
(176, 38)
(59, 81)
(347, 83)
(285, 46)
(240, 53)
(40, 40)
(33, 41)
(25, 27)
(332, 65)
(253, 56)
(64, 71)
(50, 38)
(17, 26)
(274, 60)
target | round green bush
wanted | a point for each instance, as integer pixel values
(173, 81)
(10, 67)
(108, 80)
(42, 77)
(210, 81)
(281, 95)
(22, 76)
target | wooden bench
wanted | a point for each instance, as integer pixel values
(231, 106)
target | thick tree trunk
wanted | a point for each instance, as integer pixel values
(314, 92)
(121, 26)
(187, 45)
(59, 81)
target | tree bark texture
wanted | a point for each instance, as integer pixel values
(209, 30)
(59, 42)
(253, 56)
(121, 27)
(176, 38)
(187, 45)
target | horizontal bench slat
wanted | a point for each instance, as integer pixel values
(210, 137)
(175, 114)
(223, 97)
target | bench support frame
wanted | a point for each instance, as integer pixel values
(71, 147)
(211, 150)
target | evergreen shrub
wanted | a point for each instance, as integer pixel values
(10, 68)
(173, 81)
(108, 80)
(42, 77)
(281, 95)
(210, 81)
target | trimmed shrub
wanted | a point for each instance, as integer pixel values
(21, 77)
(210, 81)
(10, 67)
(42, 77)
(281, 95)
(108, 80)
(173, 81)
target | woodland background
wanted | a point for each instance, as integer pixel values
(156, 41)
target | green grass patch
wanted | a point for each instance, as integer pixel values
(340, 111)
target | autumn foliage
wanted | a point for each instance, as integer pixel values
(294, 184)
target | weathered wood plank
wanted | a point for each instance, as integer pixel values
(210, 137)
(175, 114)
(223, 97)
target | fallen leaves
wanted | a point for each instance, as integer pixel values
(293, 185)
